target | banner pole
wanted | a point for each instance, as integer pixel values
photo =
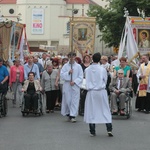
(72, 29)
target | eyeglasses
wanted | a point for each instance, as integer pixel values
(120, 73)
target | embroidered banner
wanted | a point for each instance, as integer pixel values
(82, 34)
(141, 32)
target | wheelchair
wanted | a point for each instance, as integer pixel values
(128, 106)
(39, 110)
(3, 105)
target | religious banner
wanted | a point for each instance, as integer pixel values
(82, 34)
(11, 40)
(5, 32)
(135, 39)
(16, 33)
(141, 32)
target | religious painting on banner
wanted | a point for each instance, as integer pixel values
(16, 39)
(16, 35)
(141, 32)
(82, 34)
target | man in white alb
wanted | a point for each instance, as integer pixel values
(72, 75)
(97, 109)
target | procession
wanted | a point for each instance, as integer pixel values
(76, 87)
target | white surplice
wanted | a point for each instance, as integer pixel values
(71, 94)
(142, 72)
(97, 109)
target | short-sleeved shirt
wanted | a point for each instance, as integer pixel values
(3, 73)
(34, 69)
(125, 69)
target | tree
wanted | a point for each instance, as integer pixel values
(111, 21)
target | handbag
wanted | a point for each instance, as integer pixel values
(10, 94)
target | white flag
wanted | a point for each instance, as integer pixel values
(123, 41)
(132, 48)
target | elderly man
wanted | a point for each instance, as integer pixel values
(41, 69)
(44, 60)
(119, 86)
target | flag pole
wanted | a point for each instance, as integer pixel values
(72, 30)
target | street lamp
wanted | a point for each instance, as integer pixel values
(19, 17)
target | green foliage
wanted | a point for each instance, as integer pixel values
(111, 19)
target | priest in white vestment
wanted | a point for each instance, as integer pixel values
(143, 74)
(72, 75)
(97, 110)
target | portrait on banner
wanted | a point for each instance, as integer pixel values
(144, 38)
(82, 34)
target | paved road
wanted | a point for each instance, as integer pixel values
(53, 132)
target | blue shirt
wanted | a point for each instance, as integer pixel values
(3, 73)
(34, 69)
(41, 69)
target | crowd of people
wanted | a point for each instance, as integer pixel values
(60, 80)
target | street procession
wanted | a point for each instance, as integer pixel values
(67, 67)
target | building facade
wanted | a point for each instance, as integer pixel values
(47, 21)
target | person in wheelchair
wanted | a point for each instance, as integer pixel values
(119, 87)
(31, 89)
(3, 77)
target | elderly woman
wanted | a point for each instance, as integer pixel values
(104, 63)
(15, 80)
(31, 88)
(123, 66)
(48, 83)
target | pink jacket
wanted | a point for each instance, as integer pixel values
(13, 74)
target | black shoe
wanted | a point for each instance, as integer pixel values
(47, 111)
(52, 111)
(26, 110)
(110, 134)
(146, 112)
(36, 111)
(114, 113)
(81, 114)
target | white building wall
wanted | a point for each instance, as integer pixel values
(4, 10)
(56, 16)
